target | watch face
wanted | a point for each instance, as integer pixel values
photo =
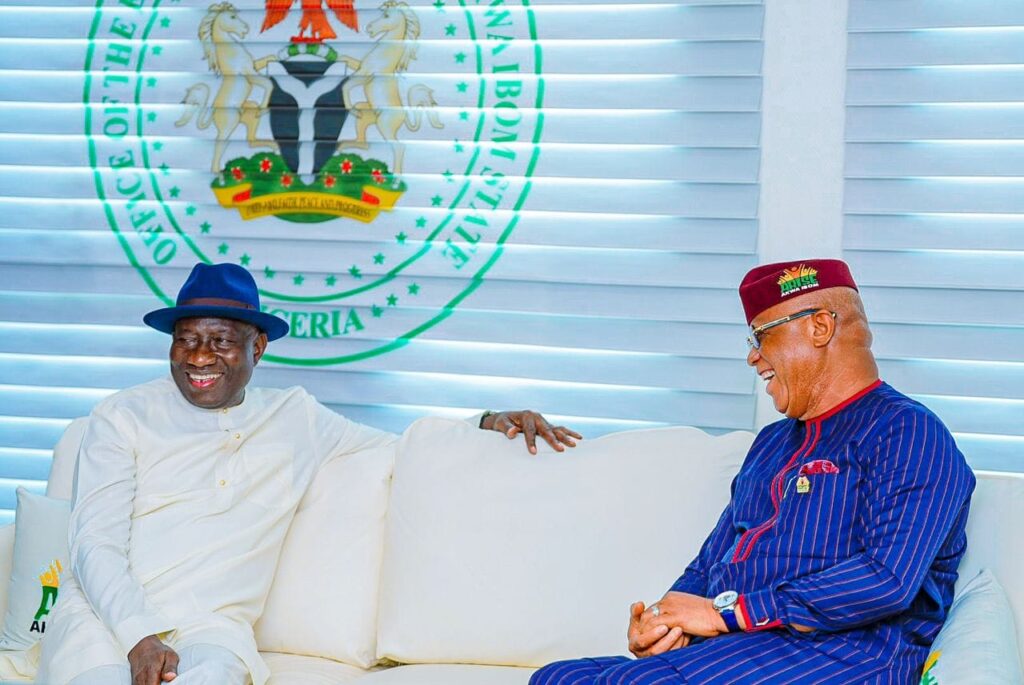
(726, 599)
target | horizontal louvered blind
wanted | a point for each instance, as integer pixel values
(935, 211)
(552, 208)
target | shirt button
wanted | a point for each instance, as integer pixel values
(224, 410)
(222, 483)
(238, 436)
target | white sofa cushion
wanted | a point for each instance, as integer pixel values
(496, 557)
(293, 669)
(324, 598)
(978, 644)
(997, 508)
(448, 674)
(65, 457)
(40, 551)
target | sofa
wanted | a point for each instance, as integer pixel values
(455, 557)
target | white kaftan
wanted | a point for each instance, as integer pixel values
(178, 517)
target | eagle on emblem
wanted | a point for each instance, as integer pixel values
(314, 19)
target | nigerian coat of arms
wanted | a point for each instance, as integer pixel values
(307, 170)
(366, 164)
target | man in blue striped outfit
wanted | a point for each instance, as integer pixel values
(835, 560)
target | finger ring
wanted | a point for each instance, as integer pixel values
(655, 610)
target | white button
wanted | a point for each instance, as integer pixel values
(224, 410)
(222, 483)
(238, 436)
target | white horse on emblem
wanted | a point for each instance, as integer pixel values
(377, 74)
(221, 32)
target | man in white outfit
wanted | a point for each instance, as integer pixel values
(184, 490)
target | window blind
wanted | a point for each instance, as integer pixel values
(576, 203)
(934, 224)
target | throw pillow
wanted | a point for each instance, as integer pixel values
(40, 563)
(324, 598)
(978, 644)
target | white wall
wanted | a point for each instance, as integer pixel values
(804, 72)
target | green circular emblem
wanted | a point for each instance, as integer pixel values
(366, 167)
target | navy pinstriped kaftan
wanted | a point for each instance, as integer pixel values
(851, 523)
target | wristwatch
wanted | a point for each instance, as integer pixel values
(725, 605)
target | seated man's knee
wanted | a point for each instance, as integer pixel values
(639, 672)
(210, 665)
(213, 673)
(105, 675)
(571, 672)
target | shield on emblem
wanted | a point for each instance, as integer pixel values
(307, 112)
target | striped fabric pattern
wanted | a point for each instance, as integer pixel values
(852, 523)
(609, 669)
(765, 658)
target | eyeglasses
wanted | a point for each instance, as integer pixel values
(754, 339)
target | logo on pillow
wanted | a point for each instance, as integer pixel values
(50, 581)
(927, 678)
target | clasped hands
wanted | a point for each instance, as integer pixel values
(680, 617)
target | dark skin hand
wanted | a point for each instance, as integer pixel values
(531, 424)
(152, 662)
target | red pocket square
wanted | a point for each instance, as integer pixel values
(817, 466)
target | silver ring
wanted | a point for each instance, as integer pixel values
(655, 610)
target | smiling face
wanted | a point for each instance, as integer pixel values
(212, 360)
(789, 360)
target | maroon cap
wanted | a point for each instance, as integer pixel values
(768, 285)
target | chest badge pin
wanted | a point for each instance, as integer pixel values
(803, 485)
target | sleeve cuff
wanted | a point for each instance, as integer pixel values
(130, 631)
(691, 583)
(760, 610)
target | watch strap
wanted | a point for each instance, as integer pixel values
(729, 616)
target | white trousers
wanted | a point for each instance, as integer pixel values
(197, 665)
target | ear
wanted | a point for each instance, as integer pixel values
(823, 327)
(259, 346)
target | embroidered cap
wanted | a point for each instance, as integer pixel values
(768, 285)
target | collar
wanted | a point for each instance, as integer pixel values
(845, 403)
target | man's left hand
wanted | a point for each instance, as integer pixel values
(531, 424)
(695, 615)
(658, 640)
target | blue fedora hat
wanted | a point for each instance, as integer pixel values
(224, 291)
